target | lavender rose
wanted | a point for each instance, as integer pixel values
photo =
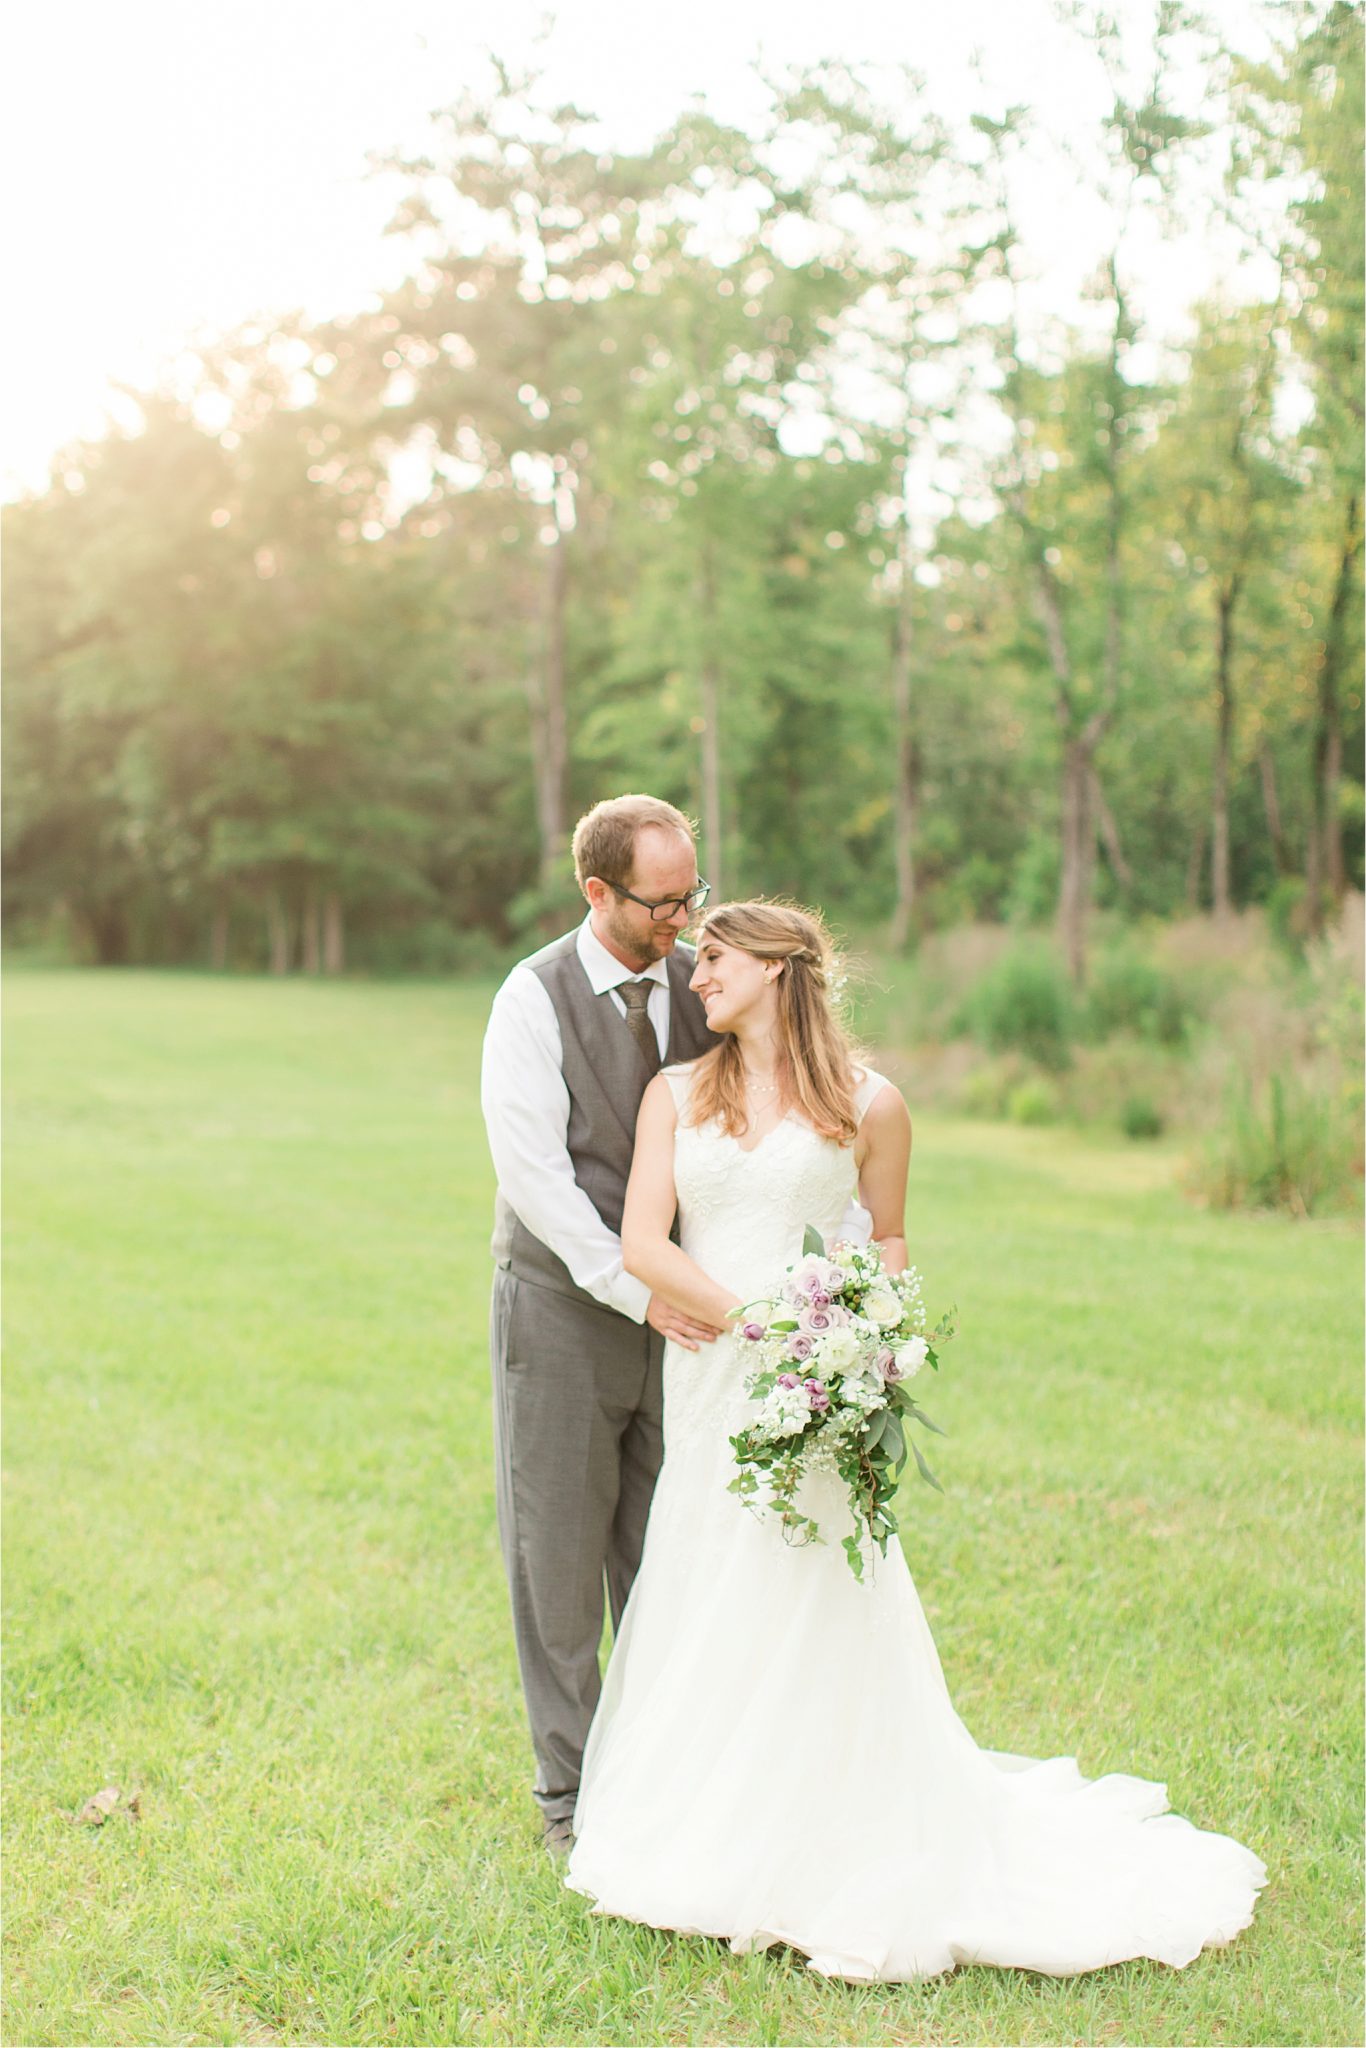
(820, 1400)
(754, 1331)
(799, 1347)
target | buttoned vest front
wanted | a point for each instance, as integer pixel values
(606, 1075)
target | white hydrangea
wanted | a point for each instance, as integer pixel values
(837, 1350)
(862, 1394)
(786, 1411)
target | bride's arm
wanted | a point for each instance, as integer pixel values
(651, 1205)
(884, 1157)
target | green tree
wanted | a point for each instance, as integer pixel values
(1300, 126)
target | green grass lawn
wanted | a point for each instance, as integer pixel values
(253, 1574)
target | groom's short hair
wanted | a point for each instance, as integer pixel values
(605, 837)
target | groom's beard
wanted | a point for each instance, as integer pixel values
(656, 944)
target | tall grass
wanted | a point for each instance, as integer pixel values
(1288, 1146)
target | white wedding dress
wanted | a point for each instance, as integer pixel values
(775, 1757)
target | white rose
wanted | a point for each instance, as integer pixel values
(837, 1350)
(883, 1307)
(912, 1356)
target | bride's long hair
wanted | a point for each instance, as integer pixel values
(815, 1068)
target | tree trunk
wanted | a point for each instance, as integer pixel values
(1327, 875)
(1226, 600)
(1079, 785)
(334, 934)
(545, 693)
(1115, 508)
(218, 938)
(311, 937)
(1078, 841)
(107, 924)
(709, 734)
(1079, 782)
(1195, 867)
(277, 929)
(1109, 833)
(903, 758)
(1266, 761)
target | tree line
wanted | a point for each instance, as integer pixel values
(743, 469)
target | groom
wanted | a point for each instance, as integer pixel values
(575, 1035)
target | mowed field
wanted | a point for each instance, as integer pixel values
(252, 1571)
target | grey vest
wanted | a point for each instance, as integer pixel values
(606, 1075)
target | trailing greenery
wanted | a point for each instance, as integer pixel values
(252, 1570)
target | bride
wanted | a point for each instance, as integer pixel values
(775, 1757)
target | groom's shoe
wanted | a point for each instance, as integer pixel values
(559, 1836)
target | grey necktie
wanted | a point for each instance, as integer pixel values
(636, 996)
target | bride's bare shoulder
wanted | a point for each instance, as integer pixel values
(880, 1101)
(670, 1085)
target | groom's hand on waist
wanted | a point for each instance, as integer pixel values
(676, 1324)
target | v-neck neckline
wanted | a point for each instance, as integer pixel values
(771, 1132)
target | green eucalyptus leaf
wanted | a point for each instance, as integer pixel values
(876, 1429)
(918, 1412)
(925, 1471)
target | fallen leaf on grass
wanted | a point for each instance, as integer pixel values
(97, 1810)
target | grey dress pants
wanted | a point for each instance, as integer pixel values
(578, 1414)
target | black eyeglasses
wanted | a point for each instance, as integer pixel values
(692, 902)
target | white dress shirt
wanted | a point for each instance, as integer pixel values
(526, 1111)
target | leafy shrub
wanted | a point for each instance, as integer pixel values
(987, 1090)
(1286, 916)
(1139, 1118)
(972, 889)
(1289, 1149)
(427, 946)
(1034, 882)
(1129, 993)
(1033, 1102)
(1338, 1020)
(1024, 1004)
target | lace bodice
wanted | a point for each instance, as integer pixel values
(742, 1217)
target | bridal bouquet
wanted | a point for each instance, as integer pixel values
(834, 1354)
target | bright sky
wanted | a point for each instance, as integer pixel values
(182, 165)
